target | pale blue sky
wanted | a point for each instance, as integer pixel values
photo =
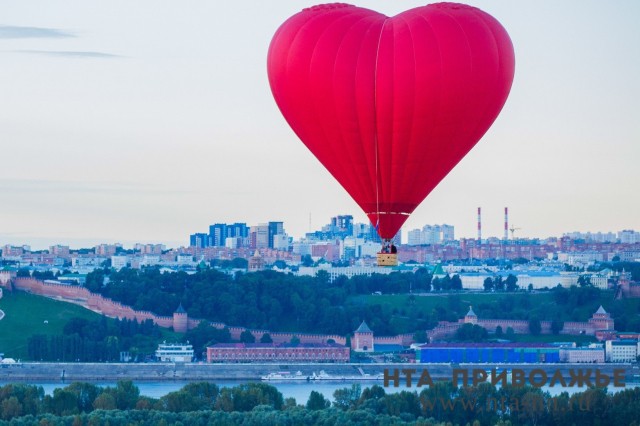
(149, 120)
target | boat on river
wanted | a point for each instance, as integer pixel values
(285, 376)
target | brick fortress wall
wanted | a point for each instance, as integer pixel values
(97, 303)
(102, 305)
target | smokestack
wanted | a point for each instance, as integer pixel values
(479, 225)
(506, 223)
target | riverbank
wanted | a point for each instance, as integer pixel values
(41, 371)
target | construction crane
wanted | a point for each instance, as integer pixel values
(513, 230)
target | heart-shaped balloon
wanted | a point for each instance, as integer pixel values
(389, 105)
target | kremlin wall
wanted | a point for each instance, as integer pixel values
(364, 340)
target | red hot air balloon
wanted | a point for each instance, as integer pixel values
(389, 105)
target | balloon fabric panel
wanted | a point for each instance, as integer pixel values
(390, 105)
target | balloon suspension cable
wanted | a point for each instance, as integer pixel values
(375, 123)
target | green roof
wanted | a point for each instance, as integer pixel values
(437, 270)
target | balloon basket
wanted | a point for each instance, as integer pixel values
(387, 259)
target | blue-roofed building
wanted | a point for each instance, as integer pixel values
(494, 353)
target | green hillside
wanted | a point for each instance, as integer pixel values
(27, 314)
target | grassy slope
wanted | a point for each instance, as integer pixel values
(25, 315)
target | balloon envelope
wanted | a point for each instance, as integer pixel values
(389, 105)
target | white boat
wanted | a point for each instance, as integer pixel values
(284, 376)
(323, 375)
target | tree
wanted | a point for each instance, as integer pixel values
(471, 332)
(23, 272)
(498, 283)
(488, 284)
(534, 326)
(499, 331)
(126, 395)
(584, 280)
(437, 284)
(266, 338)
(295, 341)
(247, 337)
(11, 408)
(510, 333)
(317, 401)
(105, 401)
(511, 282)
(346, 398)
(456, 282)
(420, 336)
(556, 326)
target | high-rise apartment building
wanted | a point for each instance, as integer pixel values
(259, 236)
(218, 233)
(200, 240)
(431, 234)
(274, 228)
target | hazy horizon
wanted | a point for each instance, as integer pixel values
(147, 122)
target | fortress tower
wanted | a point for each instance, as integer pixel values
(471, 317)
(601, 320)
(363, 339)
(180, 320)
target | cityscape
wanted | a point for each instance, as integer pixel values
(342, 250)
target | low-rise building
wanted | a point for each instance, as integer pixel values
(494, 353)
(582, 355)
(271, 352)
(621, 350)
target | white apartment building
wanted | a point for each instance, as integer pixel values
(629, 236)
(281, 242)
(621, 350)
(119, 262)
(431, 234)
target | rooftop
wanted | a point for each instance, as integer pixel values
(364, 328)
(274, 345)
(465, 345)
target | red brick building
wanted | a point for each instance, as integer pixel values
(270, 352)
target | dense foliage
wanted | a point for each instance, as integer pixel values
(261, 404)
(282, 302)
(267, 299)
(99, 340)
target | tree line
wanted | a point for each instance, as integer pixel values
(283, 302)
(267, 299)
(97, 340)
(262, 404)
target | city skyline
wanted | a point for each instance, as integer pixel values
(145, 123)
